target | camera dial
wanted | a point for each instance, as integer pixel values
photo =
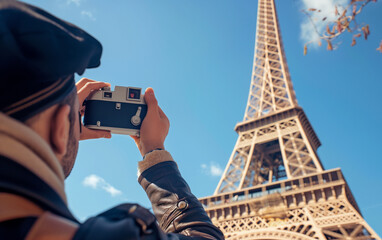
(136, 119)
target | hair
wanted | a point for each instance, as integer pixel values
(68, 100)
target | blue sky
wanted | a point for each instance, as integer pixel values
(197, 55)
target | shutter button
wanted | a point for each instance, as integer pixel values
(182, 205)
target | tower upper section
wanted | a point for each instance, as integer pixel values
(271, 87)
(276, 141)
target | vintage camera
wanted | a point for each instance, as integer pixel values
(120, 111)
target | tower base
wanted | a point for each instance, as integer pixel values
(316, 206)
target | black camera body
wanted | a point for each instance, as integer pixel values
(120, 111)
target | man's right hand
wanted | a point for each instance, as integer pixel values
(85, 87)
(154, 127)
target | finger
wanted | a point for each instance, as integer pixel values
(94, 134)
(84, 92)
(82, 110)
(137, 141)
(89, 134)
(151, 101)
(82, 82)
(135, 137)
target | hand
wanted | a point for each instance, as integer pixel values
(84, 88)
(154, 127)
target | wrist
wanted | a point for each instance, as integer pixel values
(146, 150)
(156, 149)
(153, 158)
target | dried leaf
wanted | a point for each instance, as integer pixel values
(344, 13)
(357, 35)
(354, 9)
(324, 18)
(336, 13)
(367, 29)
(380, 47)
(330, 47)
(305, 49)
(319, 43)
(353, 42)
(312, 9)
(339, 26)
(364, 33)
(328, 30)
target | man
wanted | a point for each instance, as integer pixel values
(40, 126)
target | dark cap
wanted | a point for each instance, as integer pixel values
(39, 55)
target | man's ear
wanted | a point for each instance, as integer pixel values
(59, 130)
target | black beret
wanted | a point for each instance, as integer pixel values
(39, 54)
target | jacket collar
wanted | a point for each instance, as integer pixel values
(25, 147)
(17, 180)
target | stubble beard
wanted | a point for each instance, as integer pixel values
(72, 149)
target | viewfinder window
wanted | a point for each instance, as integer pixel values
(107, 95)
(134, 93)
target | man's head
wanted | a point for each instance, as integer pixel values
(40, 54)
(60, 127)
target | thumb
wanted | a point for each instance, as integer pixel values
(150, 99)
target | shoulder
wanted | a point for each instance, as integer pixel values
(124, 220)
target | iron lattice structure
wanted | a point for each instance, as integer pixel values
(274, 185)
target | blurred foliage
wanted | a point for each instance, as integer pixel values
(344, 23)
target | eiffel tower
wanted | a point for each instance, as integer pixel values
(274, 185)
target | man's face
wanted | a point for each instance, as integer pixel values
(74, 137)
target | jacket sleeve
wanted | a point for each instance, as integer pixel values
(176, 209)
